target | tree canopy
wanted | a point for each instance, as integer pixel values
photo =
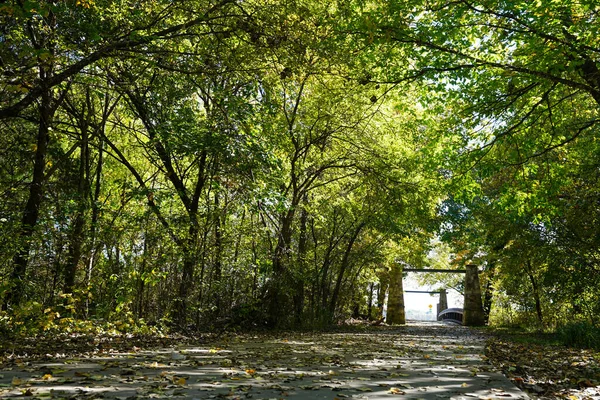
(203, 163)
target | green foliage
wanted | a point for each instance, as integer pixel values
(31, 319)
(264, 161)
(581, 334)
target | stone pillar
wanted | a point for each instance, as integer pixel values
(443, 302)
(473, 308)
(395, 310)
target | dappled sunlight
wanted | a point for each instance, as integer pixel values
(415, 361)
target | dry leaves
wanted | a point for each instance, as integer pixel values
(547, 370)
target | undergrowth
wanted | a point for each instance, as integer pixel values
(581, 334)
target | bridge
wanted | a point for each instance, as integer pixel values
(451, 315)
(471, 315)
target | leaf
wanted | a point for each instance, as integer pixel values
(16, 381)
(179, 381)
(57, 371)
(47, 377)
(397, 391)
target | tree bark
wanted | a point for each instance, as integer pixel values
(301, 268)
(384, 283)
(536, 293)
(29, 220)
(343, 267)
(81, 195)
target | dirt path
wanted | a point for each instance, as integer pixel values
(418, 361)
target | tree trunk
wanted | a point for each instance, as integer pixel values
(184, 287)
(384, 283)
(277, 300)
(301, 265)
(31, 212)
(370, 303)
(77, 233)
(95, 213)
(344, 266)
(536, 293)
(218, 268)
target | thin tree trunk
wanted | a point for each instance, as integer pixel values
(536, 293)
(31, 212)
(344, 266)
(301, 264)
(77, 233)
(488, 293)
(95, 212)
(384, 283)
(370, 304)
(277, 301)
(141, 283)
(218, 272)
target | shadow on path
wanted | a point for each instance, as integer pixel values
(422, 360)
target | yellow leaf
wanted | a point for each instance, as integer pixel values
(395, 390)
(250, 371)
(179, 381)
(464, 385)
(16, 381)
(47, 377)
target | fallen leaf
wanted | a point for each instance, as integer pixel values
(396, 390)
(179, 381)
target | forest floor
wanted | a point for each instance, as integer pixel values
(419, 361)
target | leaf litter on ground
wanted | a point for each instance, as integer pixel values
(545, 370)
(409, 361)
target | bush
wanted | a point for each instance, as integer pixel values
(581, 334)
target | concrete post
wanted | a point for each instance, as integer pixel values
(443, 302)
(395, 310)
(473, 308)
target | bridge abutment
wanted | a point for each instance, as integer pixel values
(473, 309)
(395, 311)
(443, 304)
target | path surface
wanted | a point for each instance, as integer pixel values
(418, 361)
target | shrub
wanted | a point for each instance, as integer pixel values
(580, 334)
